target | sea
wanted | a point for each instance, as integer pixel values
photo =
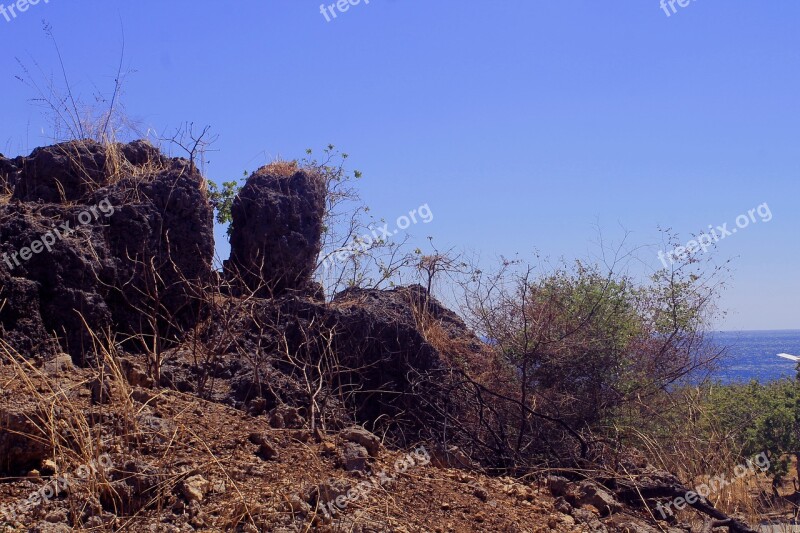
(753, 355)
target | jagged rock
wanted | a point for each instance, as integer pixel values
(353, 457)
(377, 333)
(267, 451)
(584, 494)
(481, 493)
(389, 371)
(594, 495)
(589, 519)
(21, 322)
(295, 504)
(276, 230)
(195, 488)
(137, 246)
(58, 364)
(361, 436)
(135, 373)
(287, 417)
(64, 172)
(9, 173)
(559, 486)
(562, 506)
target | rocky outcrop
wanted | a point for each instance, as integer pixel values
(380, 338)
(100, 239)
(383, 371)
(118, 239)
(71, 171)
(276, 230)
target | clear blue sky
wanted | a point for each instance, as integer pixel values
(521, 123)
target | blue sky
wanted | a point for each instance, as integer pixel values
(522, 124)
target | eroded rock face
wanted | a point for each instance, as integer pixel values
(276, 230)
(386, 370)
(101, 238)
(65, 171)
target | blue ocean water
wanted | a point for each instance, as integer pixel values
(753, 354)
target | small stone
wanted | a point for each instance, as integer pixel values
(363, 437)
(353, 457)
(445, 507)
(297, 505)
(59, 364)
(267, 451)
(49, 467)
(481, 493)
(58, 516)
(257, 437)
(328, 448)
(194, 488)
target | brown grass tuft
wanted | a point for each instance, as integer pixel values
(279, 168)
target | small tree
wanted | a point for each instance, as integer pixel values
(588, 348)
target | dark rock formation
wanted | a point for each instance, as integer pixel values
(381, 364)
(128, 253)
(135, 258)
(9, 171)
(379, 337)
(63, 172)
(276, 230)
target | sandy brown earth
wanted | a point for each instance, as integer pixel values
(190, 465)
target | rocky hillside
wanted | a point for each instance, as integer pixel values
(142, 391)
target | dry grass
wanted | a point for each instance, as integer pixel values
(279, 168)
(697, 461)
(55, 412)
(247, 493)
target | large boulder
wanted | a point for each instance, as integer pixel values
(276, 230)
(398, 372)
(102, 238)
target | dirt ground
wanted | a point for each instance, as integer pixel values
(181, 464)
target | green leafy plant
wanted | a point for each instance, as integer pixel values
(222, 200)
